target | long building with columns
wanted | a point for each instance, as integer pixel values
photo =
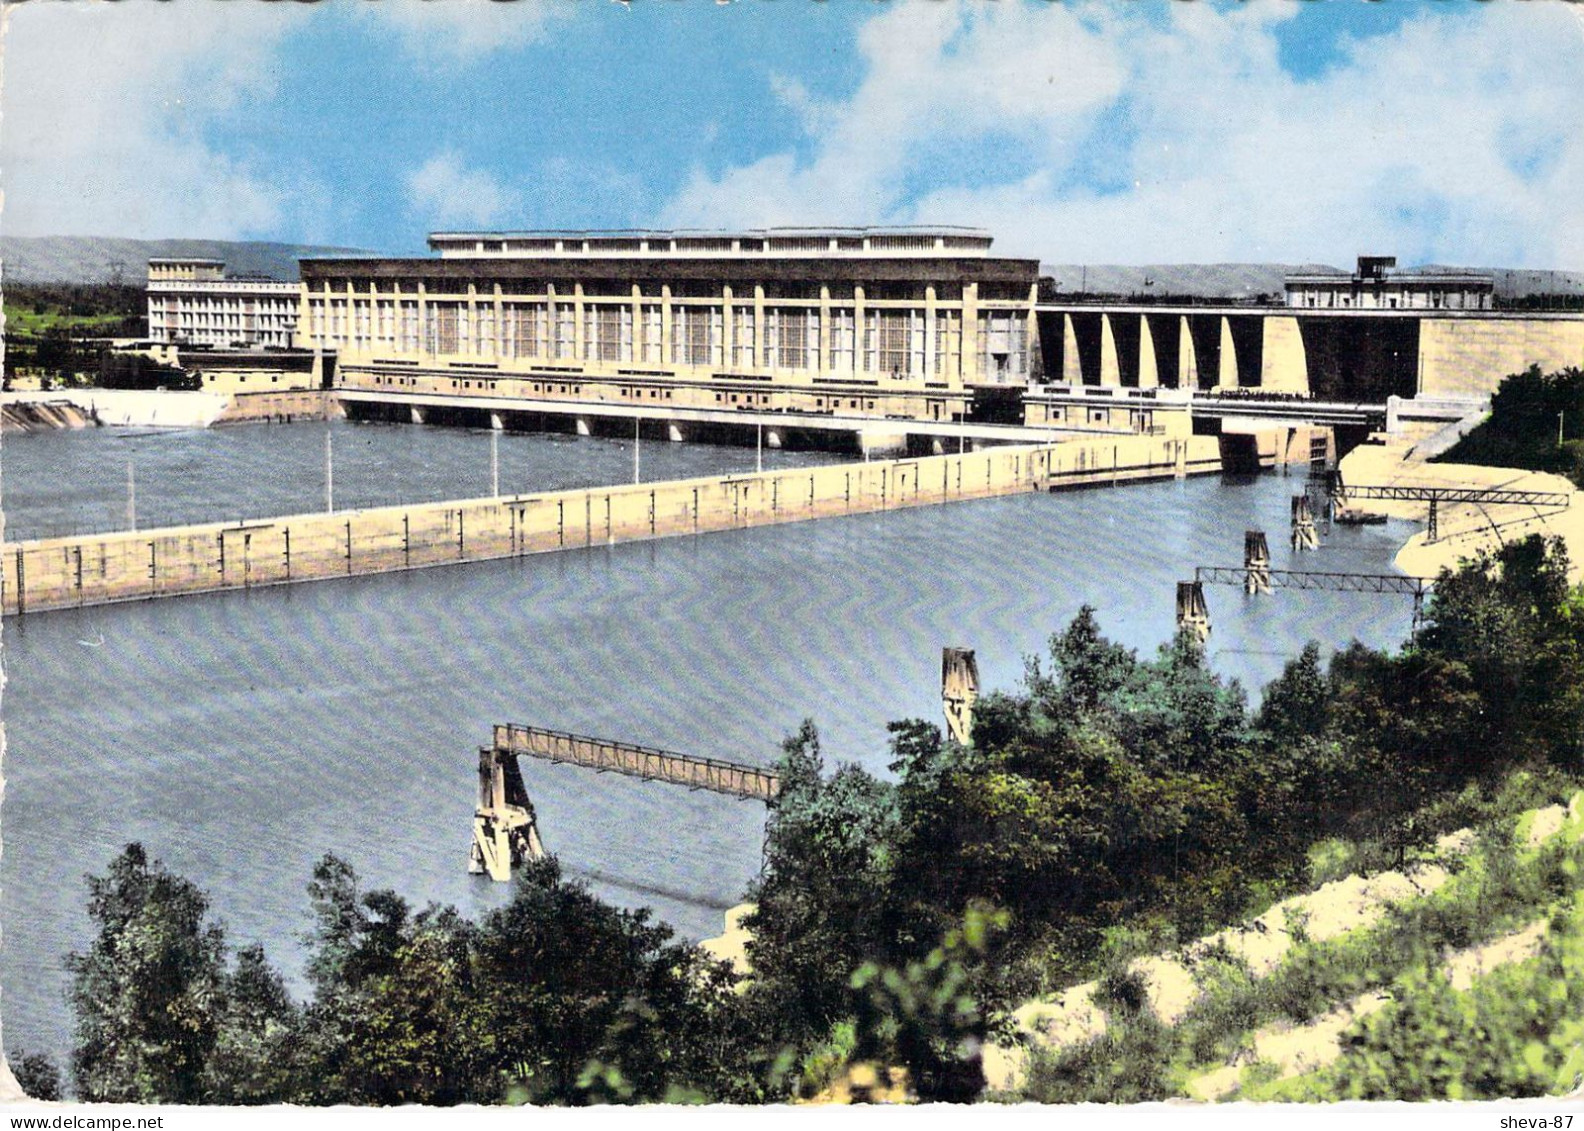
(881, 322)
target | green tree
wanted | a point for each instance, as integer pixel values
(149, 993)
(821, 900)
(251, 1059)
(36, 1073)
(1505, 619)
(392, 1018)
(567, 982)
(925, 1015)
(1527, 412)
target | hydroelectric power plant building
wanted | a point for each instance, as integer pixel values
(920, 324)
(876, 322)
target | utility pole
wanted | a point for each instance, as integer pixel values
(329, 476)
(494, 463)
(636, 476)
(759, 449)
(131, 497)
(1559, 429)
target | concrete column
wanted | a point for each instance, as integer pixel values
(929, 333)
(302, 336)
(500, 323)
(637, 323)
(1148, 371)
(1283, 366)
(1110, 367)
(970, 333)
(822, 364)
(1187, 358)
(349, 323)
(578, 351)
(1032, 355)
(423, 319)
(1227, 378)
(1072, 364)
(759, 326)
(859, 356)
(665, 324)
(468, 343)
(726, 328)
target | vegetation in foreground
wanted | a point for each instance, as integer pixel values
(1536, 423)
(1109, 807)
(1496, 890)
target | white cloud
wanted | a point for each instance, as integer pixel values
(443, 32)
(1453, 139)
(936, 72)
(106, 108)
(448, 193)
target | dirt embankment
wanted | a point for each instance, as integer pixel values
(1464, 529)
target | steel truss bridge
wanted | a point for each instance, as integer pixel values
(735, 779)
(1304, 579)
(1343, 493)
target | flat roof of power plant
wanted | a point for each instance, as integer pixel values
(757, 242)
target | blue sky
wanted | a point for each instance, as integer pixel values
(1139, 131)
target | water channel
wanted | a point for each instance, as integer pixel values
(241, 736)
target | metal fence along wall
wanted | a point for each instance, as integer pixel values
(132, 565)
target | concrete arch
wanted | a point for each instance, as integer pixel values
(1226, 370)
(1110, 355)
(1148, 369)
(1071, 365)
(1283, 365)
(1187, 359)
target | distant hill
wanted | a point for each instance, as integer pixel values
(92, 259)
(1249, 280)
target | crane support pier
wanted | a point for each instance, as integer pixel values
(1304, 535)
(1192, 612)
(505, 831)
(959, 692)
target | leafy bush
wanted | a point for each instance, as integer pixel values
(1517, 1032)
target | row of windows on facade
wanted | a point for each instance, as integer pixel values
(223, 306)
(893, 341)
(596, 290)
(1406, 300)
(283, 310)
(187, 319)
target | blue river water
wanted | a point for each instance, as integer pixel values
(241, 736)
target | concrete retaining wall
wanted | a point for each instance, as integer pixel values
(285, 406)
(131, 565)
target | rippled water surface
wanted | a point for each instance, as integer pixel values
(72, 482)
(240, 736)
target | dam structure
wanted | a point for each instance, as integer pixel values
(869, 340)
(131, 565)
